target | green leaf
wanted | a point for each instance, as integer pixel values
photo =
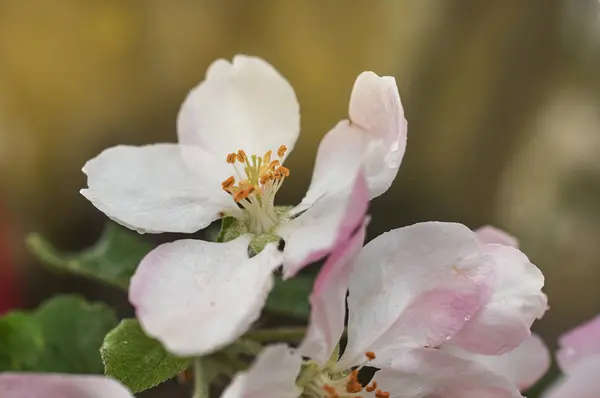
(64, 336)
(290, 297)
(21, 341)
(113, 259)
(137, 360)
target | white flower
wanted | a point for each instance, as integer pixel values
(235, 130)
(411, 291)
(21, 385)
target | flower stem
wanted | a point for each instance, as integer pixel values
(289, 334)
(200, 381)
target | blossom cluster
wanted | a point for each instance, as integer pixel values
(438, 310)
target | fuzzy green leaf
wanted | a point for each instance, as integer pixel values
(137, 360)
(112, 260)
(64, 336)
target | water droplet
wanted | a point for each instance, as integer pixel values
(467, 317)
(448, 338)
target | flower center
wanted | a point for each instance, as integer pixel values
(255, 187)
(345, 384)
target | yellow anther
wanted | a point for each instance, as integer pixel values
(273, 164)
(231, 157)
(242, 194)
(228, 183)
(281, 151)
(370, 355)
(267, 157)
(241, 156)
(285, 171)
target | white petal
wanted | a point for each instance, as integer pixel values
(504, 322)
(582, 382)
(272, 375)
(196, 297)
(489, 234)
(328, 301)
(418, 284)
(375, 106)
(47, 385)
(151, 189)
(523, 366)
(431, 373)
(335, 214)
(245, 105)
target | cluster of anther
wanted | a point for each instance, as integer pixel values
(262, 175)
(353, 386)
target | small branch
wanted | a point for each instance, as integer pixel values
(201, 384)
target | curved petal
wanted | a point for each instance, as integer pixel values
(415, 285)
(335, 215)
(582, 381)
(272, 375)
(523, 366)
(578, 344)
(489, 234)
(376, 108)
(328, 301)
(245, 105)
(47, 385)
(196, 297)
(504, 322)
(429, 373)
(151, 189)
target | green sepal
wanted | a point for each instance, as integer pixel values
(231, 228)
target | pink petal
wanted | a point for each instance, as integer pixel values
(523, 366)
(245, 104)
(416, 285)
(375, 108)
(328, 301)
(196, 297)
(32, 385)
(151, 189)
(489, 234)
(504, 322)
(582, 381)
(431, 373)
(578, 344)
(337, 212)
(272, 375)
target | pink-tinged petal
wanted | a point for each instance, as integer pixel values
(431, 373)
(489, 234)
(524, 366)
(579, 343)
(376, 108)
(245, 104)
(47, 385)
(336, 214)
(272, 375)
(151, 189)
(196, 297)
(328, 301)
(517, 300)
(581, 382)
(418, 284)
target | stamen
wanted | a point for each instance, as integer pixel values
(267, 156)
(382, 394)
(372, 387)
(285, 171)
(330, 390)
(231, 158)
(228, 183)
(353, 385)
(281, 151)
(370, 355)
(241, 156)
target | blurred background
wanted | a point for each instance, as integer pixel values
(502, 100)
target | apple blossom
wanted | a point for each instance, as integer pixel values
(47, 385)
(235, 130)
(411, 291)
(579, 359)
